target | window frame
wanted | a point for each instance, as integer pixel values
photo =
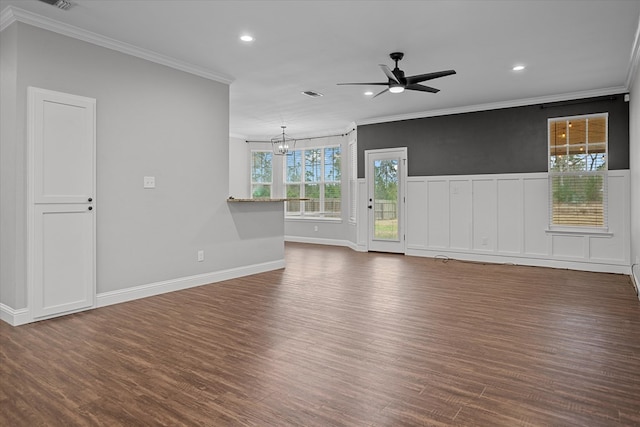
(321, 214)
(353, 181)
(578, 228)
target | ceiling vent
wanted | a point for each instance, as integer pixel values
(60, 4)
(312, 94)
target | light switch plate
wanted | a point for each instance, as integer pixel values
(149, 182)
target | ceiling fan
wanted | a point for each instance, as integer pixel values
(398, 82)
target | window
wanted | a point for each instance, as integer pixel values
(314, 173)
(578, 171)
(353, 180)
(261, 174)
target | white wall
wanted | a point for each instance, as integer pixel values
(239, 172)
(151, 120)
(503, 218)
(634, 164)
(8, 151)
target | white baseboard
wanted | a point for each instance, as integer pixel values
(21, 316)
(358, 248)
(14, 317)
(320, 241)
(529, 261)
(635, 278)
(143, 291)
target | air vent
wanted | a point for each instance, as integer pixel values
(60, 4)
(312, 94)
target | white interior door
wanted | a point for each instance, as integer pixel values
(386, 177)
(62, 203)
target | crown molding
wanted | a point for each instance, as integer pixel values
(12, 14)
(634, 61)
(352, 127)
(6, 17)
(495, 105)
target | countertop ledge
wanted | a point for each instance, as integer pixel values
(262, 200)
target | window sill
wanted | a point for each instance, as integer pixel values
(577, 231)
(312, 219)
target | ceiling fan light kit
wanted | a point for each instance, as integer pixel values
(397, 82)
(60, 4)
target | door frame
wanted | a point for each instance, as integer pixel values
(400, 152)
(33, 96)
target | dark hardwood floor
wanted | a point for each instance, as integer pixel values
(340, 338)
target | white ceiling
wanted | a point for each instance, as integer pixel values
(569, 47)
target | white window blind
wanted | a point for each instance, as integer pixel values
(578, 171)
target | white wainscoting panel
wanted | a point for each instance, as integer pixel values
(460, 224)
(416, 191)
(438, 219)
(505, 218)
(535, 214)
(509, 216)
(485, 216)
(567, 246)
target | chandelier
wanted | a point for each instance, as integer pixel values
(282, 144)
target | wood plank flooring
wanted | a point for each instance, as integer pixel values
(340, 338)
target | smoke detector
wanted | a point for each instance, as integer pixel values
(312, 94)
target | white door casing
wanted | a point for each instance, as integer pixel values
(382, 241)
(61, 203)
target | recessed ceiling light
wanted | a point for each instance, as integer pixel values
(518, 68)
(246, 38)
(368, 93)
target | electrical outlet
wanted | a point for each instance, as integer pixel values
(485, 241)
(149, 182)
(315, 228)
(200, 256)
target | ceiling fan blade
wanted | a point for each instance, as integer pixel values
(429, 76)
(374, 84)
(389, 73)
(422, 88)
(380, 93)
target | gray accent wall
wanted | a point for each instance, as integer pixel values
(152, 120)
(509, 140)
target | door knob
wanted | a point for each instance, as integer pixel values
(370, 207)
(90, 200)
(90, 208)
